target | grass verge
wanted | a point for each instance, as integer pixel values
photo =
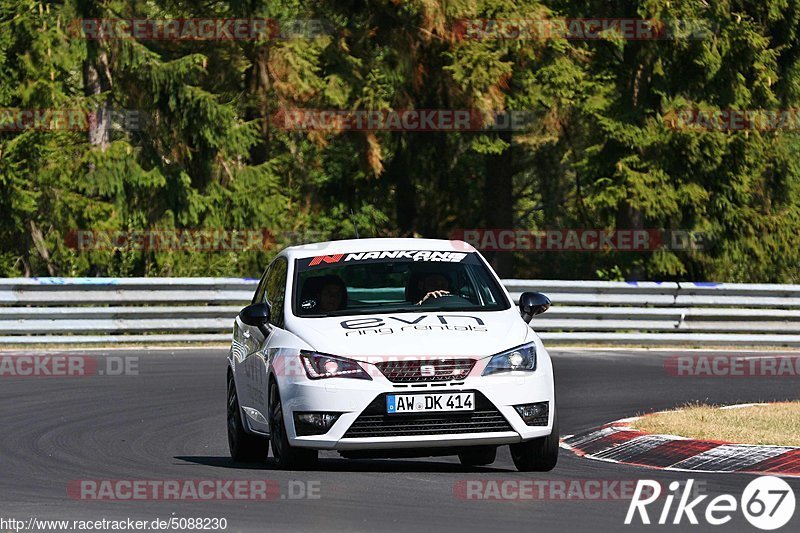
(775, 423)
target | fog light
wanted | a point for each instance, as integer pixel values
(314, 423)
(534, 414)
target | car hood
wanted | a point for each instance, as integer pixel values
(437, 334)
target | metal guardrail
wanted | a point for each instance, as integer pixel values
(169, 310)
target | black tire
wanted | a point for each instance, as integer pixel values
(286, 456)
(478, 456)
(244, 447)
(538, 455)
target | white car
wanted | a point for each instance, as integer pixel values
(389, 348)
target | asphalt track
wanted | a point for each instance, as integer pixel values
(168, 422)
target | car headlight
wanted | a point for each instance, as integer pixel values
(522, 358)
(319, 366)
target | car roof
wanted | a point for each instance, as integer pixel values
(375, 245)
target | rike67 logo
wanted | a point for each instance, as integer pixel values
(767, 502)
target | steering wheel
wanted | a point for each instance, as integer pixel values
(448, 298)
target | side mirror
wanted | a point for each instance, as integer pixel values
(532, 304)
(255, 315)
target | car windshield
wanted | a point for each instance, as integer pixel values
(395, 281)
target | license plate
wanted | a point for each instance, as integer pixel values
(427, 403)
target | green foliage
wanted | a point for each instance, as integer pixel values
(600, 152)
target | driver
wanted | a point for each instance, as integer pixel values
(332, 295)
(433, 285)
(323, 294)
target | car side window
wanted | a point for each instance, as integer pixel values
(276, 290)
(262, 287)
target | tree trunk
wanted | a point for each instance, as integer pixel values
(405, 196)
(96, 81)
(41, 247)
(499, 202)
(258, 84)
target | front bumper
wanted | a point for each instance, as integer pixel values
(353, 397)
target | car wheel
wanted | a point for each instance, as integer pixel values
(244, 447)
(286, 456)
(478, 456)
(537, 455)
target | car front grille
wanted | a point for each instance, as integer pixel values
(426, 370)
(374, 422)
